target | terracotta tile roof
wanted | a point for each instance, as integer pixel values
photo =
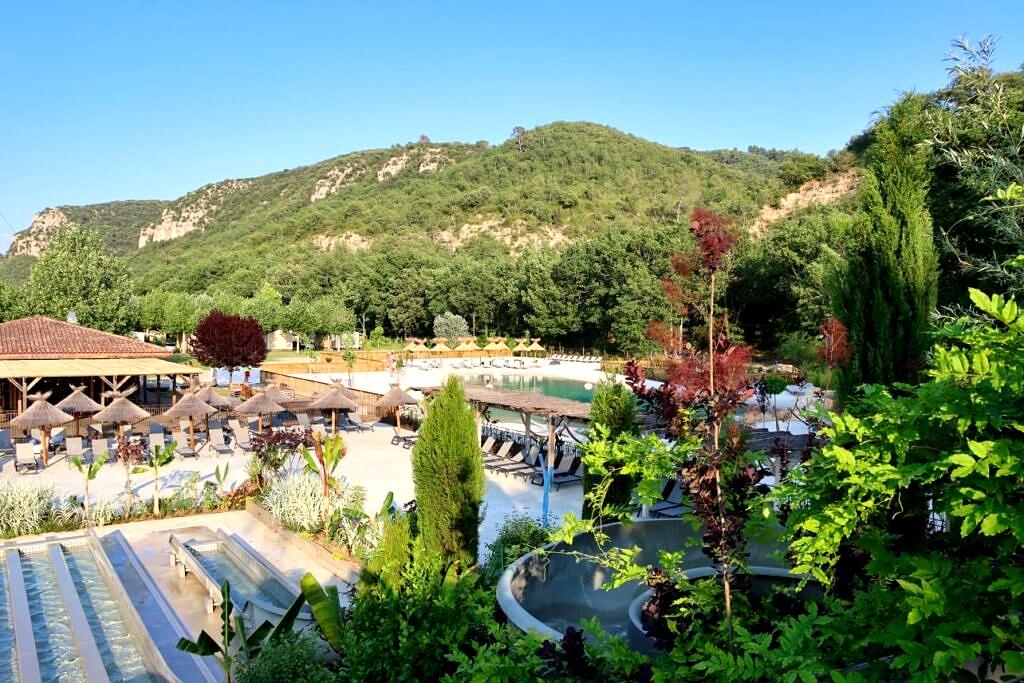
(39, 337)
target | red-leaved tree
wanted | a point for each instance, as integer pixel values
(706, 384)
(229, 341)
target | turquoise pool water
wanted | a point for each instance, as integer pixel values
(547, 386)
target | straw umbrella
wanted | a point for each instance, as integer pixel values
(261, 404)
(190, 406)
(334, 399)
(44, 415)
(78, 404)
(120, 411)
(219, 401)
(394, 399)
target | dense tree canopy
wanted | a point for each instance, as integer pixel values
(229, 341)
(77, 273)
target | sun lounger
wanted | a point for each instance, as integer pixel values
(75, 448)
(303, 420)
(499, 457)
(25, 458)
(216, 442)
(242, 444)
(488, 446)
(6, 446)
(182, 446)
(404, 440)
(562, 476)
(350, 422)
(671, 504)
(519, 461)
(100, 445)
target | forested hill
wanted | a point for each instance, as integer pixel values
(550, 185)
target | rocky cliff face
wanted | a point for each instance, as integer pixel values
(826, 191)
(46, 224)
(193, 212)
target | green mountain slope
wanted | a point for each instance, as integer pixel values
(553, 184)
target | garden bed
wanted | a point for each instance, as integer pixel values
(339, 561)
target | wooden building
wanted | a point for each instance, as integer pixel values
(39, 354)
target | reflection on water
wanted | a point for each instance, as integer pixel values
(8, 660)
(120, 655)
(55, 645)
(546, 386)
(243, 589)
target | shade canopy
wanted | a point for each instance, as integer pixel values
(535, 346)
(41, 413)
(467, 345)
(496, 344)
(219, 401)
(335, 398)
(191, 406)
(78, 402)
(120, 410)
(414, 345)
(521, 346)
(441, 346)
(394, 398)
(274, 393)
(260, 404)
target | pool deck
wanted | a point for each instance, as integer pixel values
(372, 462)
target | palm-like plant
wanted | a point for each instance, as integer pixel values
(89, 472)
(161, 456)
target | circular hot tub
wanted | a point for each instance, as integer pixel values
(549, 592)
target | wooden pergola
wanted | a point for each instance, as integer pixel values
(40, 353)
(557, 412)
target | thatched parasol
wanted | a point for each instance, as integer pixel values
(275, 394)
(334, 399)
(261, 404)
(520, 346)
(120, 411)
(467, 345)
(44, 415)
(414, 345)
(78, 404)
(441, 346)
(535, 346)
(394, 399)
(496, 344)
(190, 406)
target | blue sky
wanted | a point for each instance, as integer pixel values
(102, 100)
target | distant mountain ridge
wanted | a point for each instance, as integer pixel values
(549, 185)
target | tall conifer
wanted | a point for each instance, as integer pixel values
(448, 474)
(887, 290)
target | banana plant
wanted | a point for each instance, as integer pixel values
(161, 456)
(328, 454)
(325, 604)
(233, 628)
(221, 477)
(89, 472)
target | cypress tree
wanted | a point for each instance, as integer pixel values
(887, 290)
(449, 478)
(614, 406)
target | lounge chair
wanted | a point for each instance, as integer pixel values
(182, 447)
(351, 422)
(404, 440)
(241, 443)
(25, 457)
(563, 475)
(216, 442)
(157, 439)
(100, 445)
(499, 457)
(303, 420)
(156, 428)
(671, 504)
(75, 448)
(488, 446)
(521, 460)
(6, 447)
